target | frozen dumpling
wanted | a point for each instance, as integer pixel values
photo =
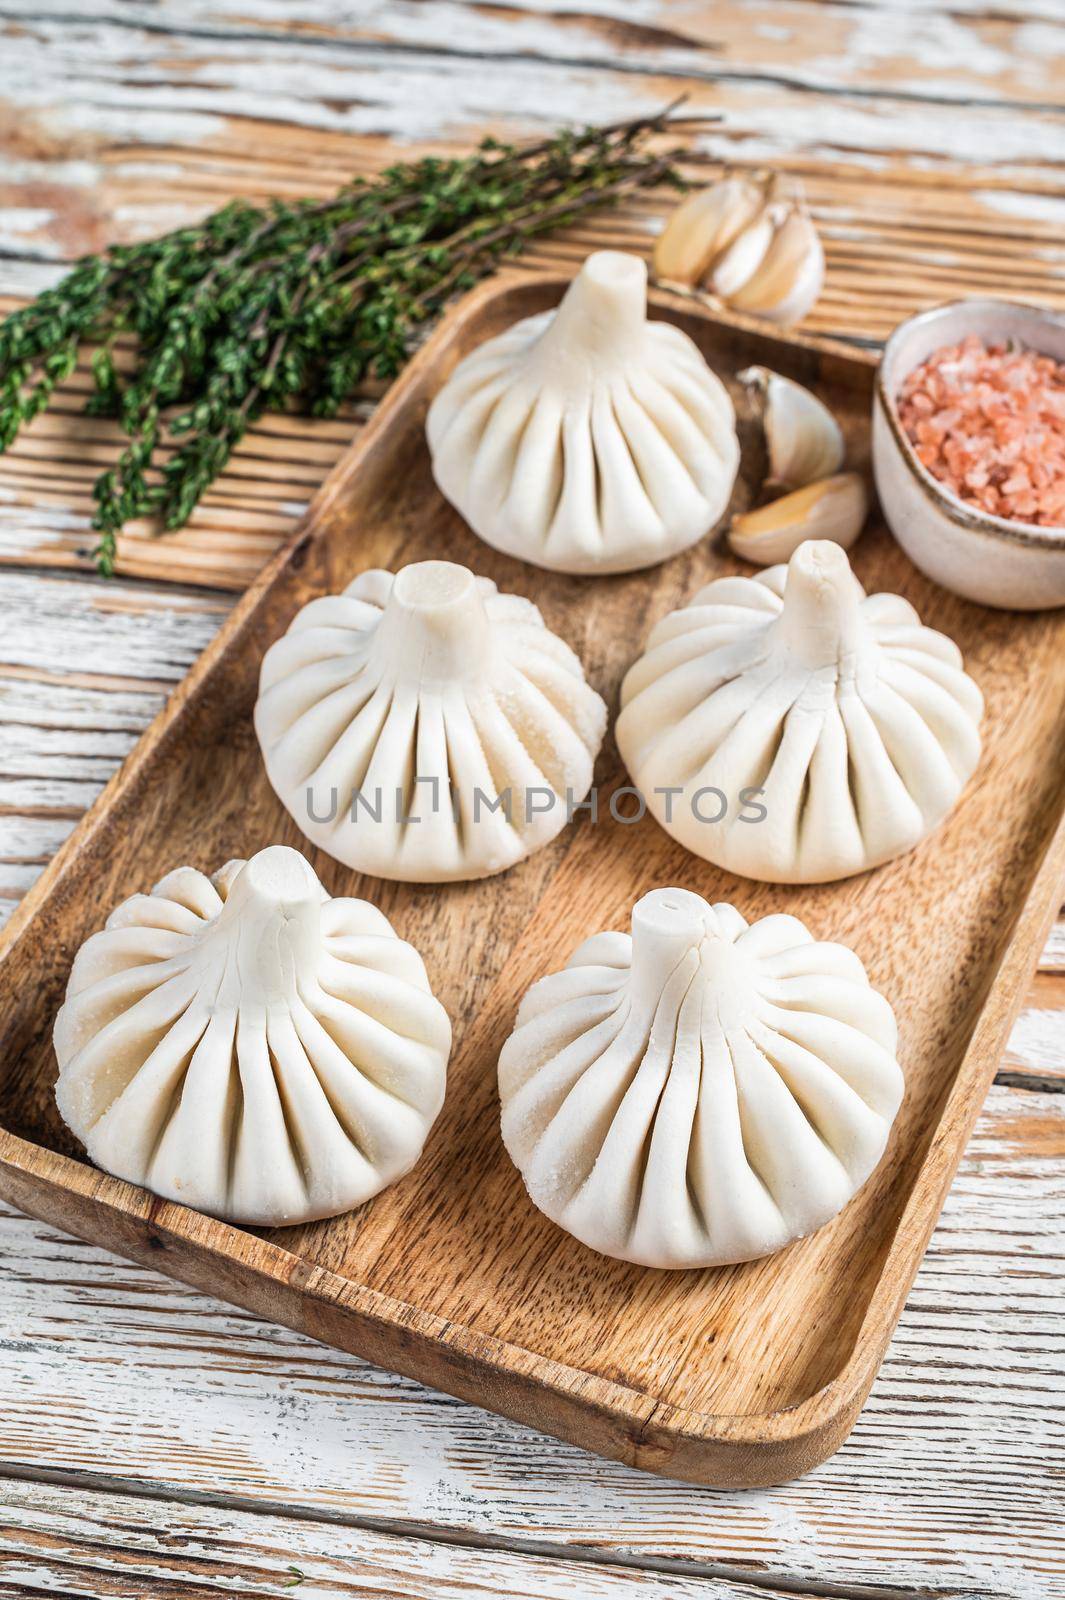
(587, 439)
(251, 1047)
(791, 728)
(423, 726)
(702, 1092)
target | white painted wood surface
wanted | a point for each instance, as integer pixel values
(106, 1544)
(155, 1442)
(950, 1482)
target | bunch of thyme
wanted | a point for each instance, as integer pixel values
(260, 308)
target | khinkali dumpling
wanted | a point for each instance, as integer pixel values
(251, 1047)
(702, 1092)
(835, 728)
(587, 439)
(425, 727)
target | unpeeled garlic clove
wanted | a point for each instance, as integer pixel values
(834, 508)
(803, 438)
(790, 275)
(743, 258)
(751, 242)
(704, 226)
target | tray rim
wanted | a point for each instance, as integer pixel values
(804, 1434)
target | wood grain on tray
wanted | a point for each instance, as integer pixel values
(747, 1374)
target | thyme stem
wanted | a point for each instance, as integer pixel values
(261, 308)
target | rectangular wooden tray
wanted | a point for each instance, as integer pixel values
(740, 1376)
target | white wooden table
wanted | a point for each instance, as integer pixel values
(153, 1441)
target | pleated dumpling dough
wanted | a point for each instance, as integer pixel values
(702, 1092)
(587, 439)
(425, 727)
(857, 727)
(251, 1047)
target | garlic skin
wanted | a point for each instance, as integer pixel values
(703, 226)
(750, 242)
(744, 258)
(803, 438)
(790, 275)
(834, 509)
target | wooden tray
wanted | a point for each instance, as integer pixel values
(743, 1375)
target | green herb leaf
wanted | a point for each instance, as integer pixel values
(265, 308)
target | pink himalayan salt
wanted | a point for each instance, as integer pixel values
(989, 424)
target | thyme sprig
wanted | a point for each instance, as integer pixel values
(260, 308)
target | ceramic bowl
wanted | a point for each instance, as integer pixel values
(1013, 565)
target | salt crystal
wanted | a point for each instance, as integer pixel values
(989, 423)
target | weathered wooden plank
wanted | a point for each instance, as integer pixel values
(942, 54)
(68, 625)
(70, 705)
(99, 1544)
(122, 101)
(294, 73)
(27, 844)
(1054, 955)
(948, 1481)
(83, 669)
(1036, 1051)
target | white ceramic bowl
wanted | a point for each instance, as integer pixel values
(1014, 565)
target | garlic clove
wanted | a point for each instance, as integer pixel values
(804, 440)
(750, 242)
(834, 508)
(789, 276)
(743, 258)
(703, 226)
